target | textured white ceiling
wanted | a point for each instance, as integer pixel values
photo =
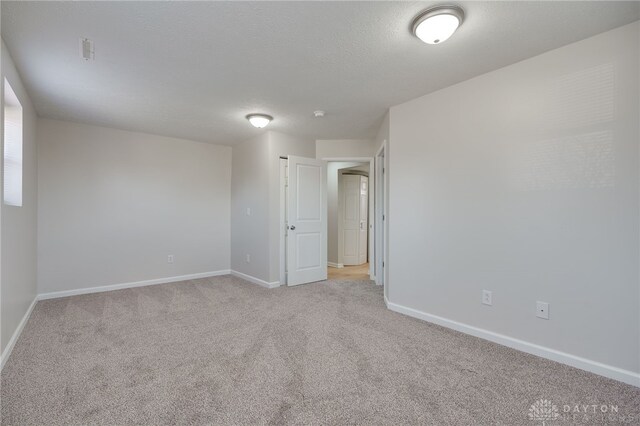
(195, 69)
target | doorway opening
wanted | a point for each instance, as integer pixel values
(361, 248)
(338, 197)
(348, 196)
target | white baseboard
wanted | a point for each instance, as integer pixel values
(16, 334)
(599, 368)
(100, 289)
(335, 265)
(255, 280)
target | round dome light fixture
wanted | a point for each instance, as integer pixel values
(437, 24)
(259, 120)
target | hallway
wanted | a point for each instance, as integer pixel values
(357, 273)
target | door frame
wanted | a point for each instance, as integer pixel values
(382, 216)
(282, 224)
(372, 195)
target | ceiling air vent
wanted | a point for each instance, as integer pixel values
(86, 49)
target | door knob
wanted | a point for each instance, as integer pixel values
(292, 227)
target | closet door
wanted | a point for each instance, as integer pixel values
(355, 206)
(351, 219)
(307, 221)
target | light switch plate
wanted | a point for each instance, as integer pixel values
(487, 297)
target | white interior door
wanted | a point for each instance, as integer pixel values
(355, 219)
(306, 221)
(351, 219)
(364, 219)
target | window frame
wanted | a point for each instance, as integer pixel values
(13, 147)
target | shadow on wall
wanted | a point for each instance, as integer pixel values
(582, 105)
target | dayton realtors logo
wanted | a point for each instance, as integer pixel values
(543, 411)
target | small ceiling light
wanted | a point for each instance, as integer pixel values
(436, 24)
(318, 113)
(259, 120)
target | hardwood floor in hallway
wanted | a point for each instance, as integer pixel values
(359, 272)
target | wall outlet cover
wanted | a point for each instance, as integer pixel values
(542, 310)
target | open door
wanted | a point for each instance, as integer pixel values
(306, 221)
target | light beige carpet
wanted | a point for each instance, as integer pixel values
(224, 351)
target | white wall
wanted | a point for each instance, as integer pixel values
(383, 133)
(18, 245)
(114, 204)
(525, 181)
(255, 185)
(344, 148)
(250, 190)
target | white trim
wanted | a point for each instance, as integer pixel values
(16, 334)
(382, 209)
(282, 224)
(100, 289)
(354, 159)
(335, 265)
(605, 370)
(255, 280)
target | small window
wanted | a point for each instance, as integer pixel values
(12, 147)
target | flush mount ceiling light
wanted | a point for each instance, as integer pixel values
(436, 24)
(259, 120)
(318, 114)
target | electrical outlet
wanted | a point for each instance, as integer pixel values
(542, 310)
(248, 258)
(486, 297)
(170, 258)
